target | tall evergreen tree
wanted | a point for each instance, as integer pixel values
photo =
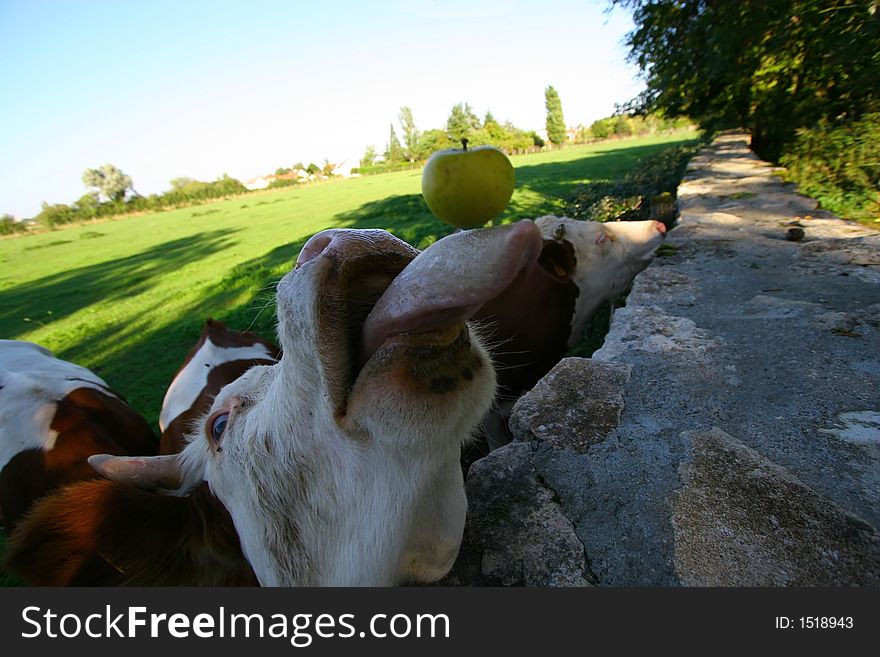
(394, 152)
(462, 122)
(555, 121)
(410, 133)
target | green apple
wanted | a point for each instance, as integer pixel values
(467, 187)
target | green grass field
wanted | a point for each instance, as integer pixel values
(127, 298)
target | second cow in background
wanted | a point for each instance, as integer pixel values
(219, 357)
(542, 314)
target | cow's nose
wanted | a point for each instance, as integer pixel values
(315, 246)
(660, 226)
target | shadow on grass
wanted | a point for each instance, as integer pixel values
(140, 358)
(554, 184)
(58, 295)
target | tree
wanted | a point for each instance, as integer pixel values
(8, 225)
(109, 181)
(582, 134)
(433, 140)
(87, 206)
(181, 182)
(410, 133)
(54, 215)
(555, 122)
(394, 151)
(769, 67)
(496, 132)
(462, 123)
(602, 128)
(369, 157)
(622, 127)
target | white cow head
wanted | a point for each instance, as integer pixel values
(340, 464)
(608, 257)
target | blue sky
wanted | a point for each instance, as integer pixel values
(201, 88)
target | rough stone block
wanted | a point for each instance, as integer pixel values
(575, 406)
(741, 520)
(516, 533)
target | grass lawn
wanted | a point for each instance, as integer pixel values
(128, 298)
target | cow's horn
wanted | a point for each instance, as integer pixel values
(148, 472)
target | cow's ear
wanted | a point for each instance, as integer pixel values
(557, 259)
(105, 533)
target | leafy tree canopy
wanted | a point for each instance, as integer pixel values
(771, 67)
(369, 157)
(109, 181)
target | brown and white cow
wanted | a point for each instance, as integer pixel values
(607, 258)
(220, 356)
(53, 416)
(543, 312)
(339, 465)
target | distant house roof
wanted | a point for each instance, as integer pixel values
(260, 182)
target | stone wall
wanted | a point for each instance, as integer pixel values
(728, 431)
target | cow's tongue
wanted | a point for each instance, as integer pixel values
(449, 281)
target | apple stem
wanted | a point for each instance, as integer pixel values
(464, 142)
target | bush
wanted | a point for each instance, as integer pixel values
(647, 192)
(9, 226)
(283, 182)
(189, 192)
(56, 215)
(626, 125)
(184, 192)
(839, 164)
(387, 167)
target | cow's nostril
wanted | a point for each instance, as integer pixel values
(660, 226)
(315, 246)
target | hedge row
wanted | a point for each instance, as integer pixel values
(88, 207)
(839, 165)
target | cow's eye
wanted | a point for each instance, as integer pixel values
(218, 426)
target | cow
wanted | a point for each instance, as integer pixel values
(54, 415)
(220, 356)
(339, 464)
(533, 323)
